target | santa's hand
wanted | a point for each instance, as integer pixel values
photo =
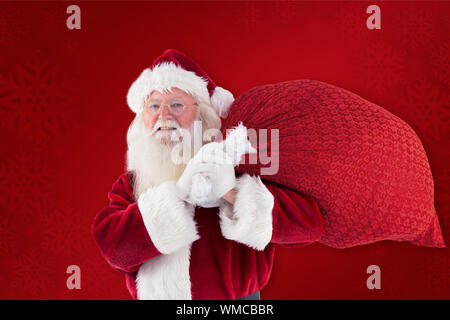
(223, 179)
(222, 175)
(208, 187)
(184, 183)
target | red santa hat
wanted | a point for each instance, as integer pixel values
(175, 69)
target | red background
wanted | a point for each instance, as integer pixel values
(63, 121)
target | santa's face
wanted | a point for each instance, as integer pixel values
(156, 151)
(165, 112)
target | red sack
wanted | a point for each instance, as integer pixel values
(366, 167)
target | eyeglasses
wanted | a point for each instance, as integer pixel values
(175, 107)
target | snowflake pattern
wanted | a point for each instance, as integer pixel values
(440, 63)
(53, 16)
(35, 100)
(25, 184)
(11, 31)
(34, 275)
(426, 108)
(415, 27)
(351, 21)
(382, 67)
(100, 281)
(7, 237)
(35, 104)
(70, 49)
(66, 232)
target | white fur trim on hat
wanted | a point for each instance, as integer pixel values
(221, 100)
(249, 220)
(165, 76)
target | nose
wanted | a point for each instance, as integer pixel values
(164, 113)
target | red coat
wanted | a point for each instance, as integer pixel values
(171, 250)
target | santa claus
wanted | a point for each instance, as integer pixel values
(169, 247)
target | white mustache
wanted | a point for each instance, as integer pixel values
(165, 123)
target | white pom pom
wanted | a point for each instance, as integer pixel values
(221, 100)
(237, 144)
(201, 192)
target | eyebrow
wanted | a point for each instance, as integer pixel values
(151, 102)
(159, 100)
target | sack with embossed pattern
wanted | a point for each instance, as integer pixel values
(366, 167)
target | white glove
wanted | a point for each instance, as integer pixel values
(210, 186)
(223, 179)
(201, 193)
(184, 183)
(207, 190)
(220, 175)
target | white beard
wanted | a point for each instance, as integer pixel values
(151, 158)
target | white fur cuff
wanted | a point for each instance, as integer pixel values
(168, 219)
(249, 221)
